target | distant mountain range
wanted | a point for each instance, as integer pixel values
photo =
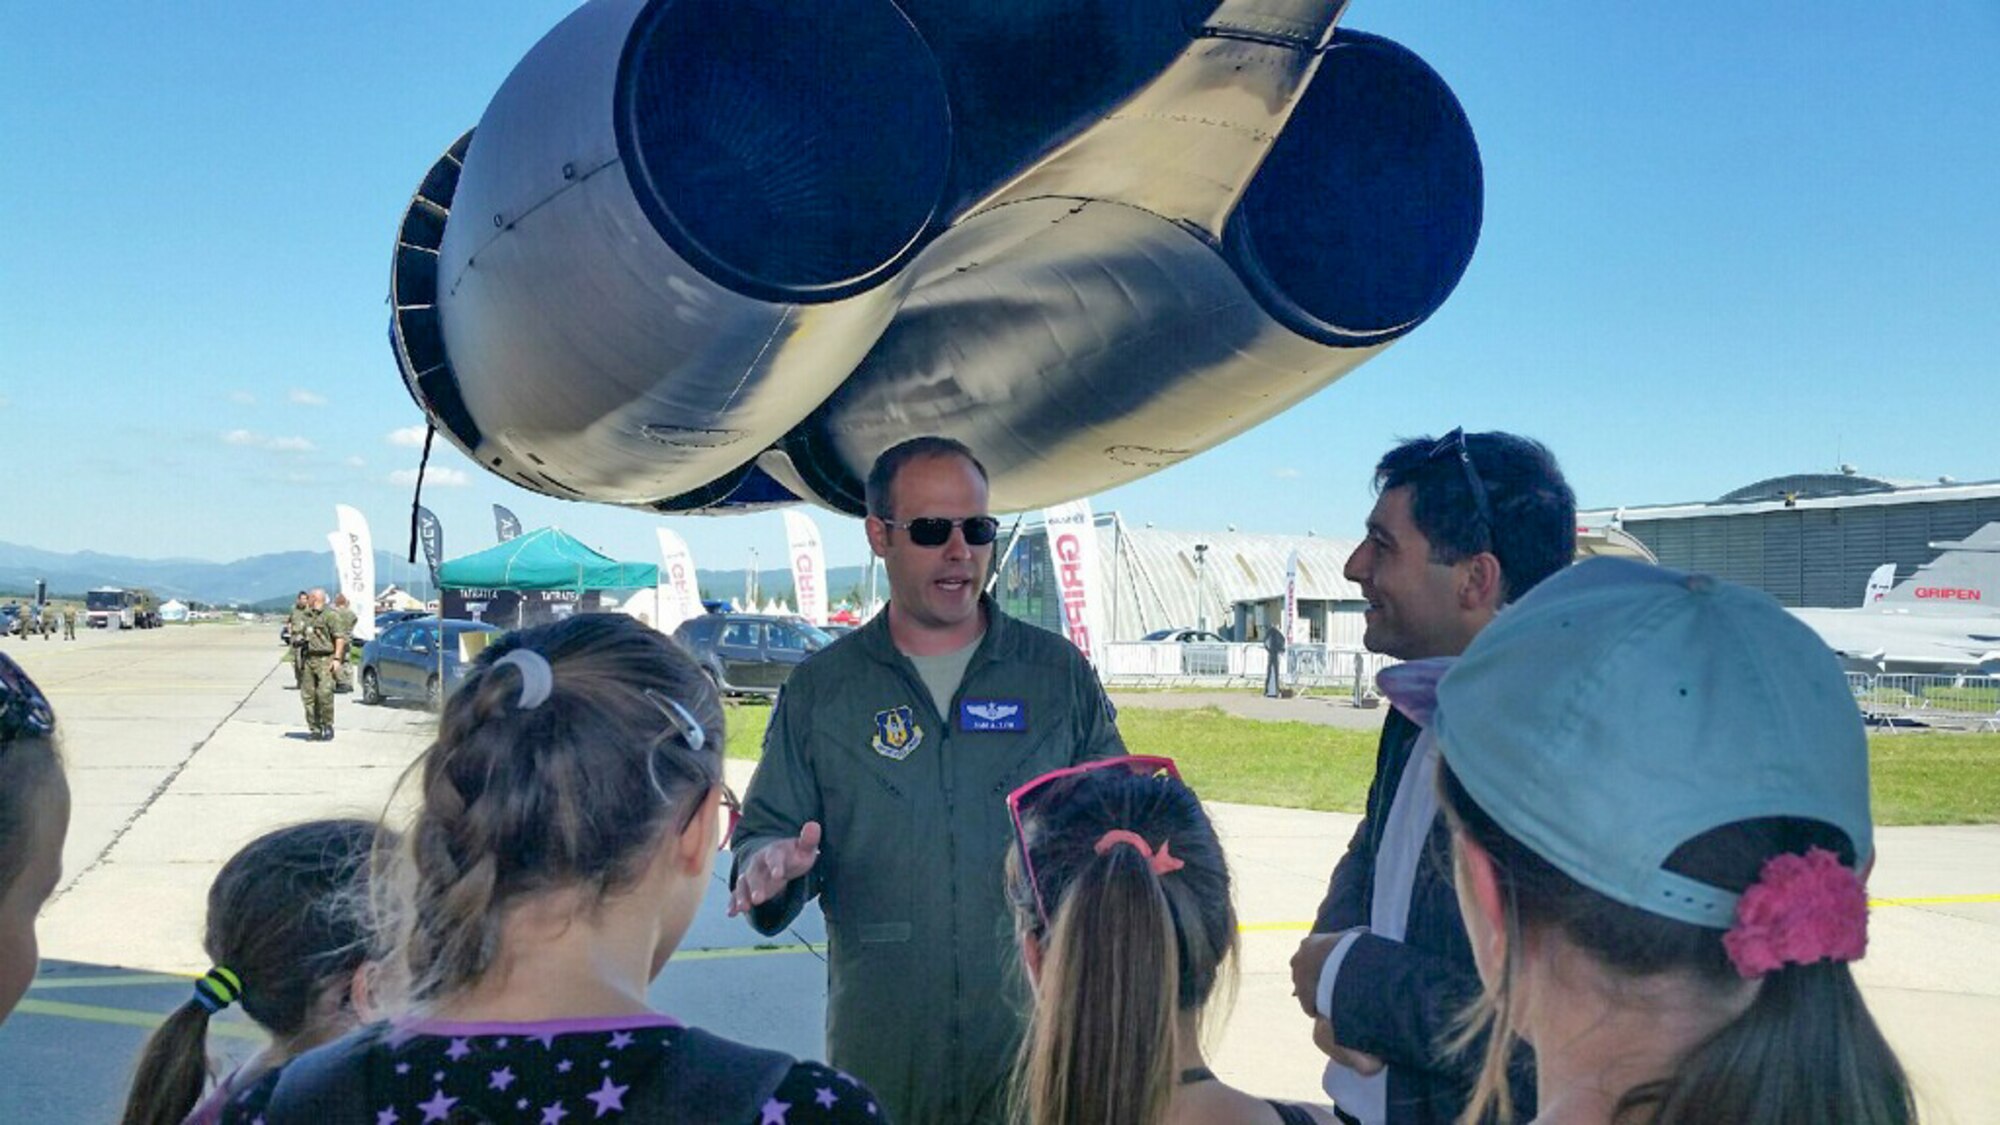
(274, 579)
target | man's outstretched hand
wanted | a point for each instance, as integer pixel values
(773, 867)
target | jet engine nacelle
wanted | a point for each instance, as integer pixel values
(706, 255)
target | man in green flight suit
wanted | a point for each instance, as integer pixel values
(295, 636)
(343, 620)
(316, 661)
(883, 789)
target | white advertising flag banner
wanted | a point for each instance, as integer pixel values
(354, 558)
(680, 596)
(808, 565)
(1072, 539)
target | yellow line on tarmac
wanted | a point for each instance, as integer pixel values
(1877, 903)
(1272, 927)
(725, 953)
(95, 1013)
(112, 980)
(128, 1017)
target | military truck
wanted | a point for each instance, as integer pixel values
(114, 607)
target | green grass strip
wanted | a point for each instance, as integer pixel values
(1919, 777)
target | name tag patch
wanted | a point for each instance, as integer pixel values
(980, 716)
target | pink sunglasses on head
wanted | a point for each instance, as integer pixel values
(1138, 765)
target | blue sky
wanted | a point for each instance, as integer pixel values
(1722, 242)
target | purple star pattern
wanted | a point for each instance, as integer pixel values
(871, 1108)
(776, 1112)
(439, 1107)
(457, 1050)
(500, 1079)
(608, 1098)
(620, 1040)
(521, 1103)
(402, 1068)
(500, 1043)
(553, 1114)
(565, 1066)
(388, 1117)
(824, 1096)
(604, 1064)
(437, 1075)
(546, 1039)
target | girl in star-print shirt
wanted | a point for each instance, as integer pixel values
(556, 1072)
(569, 815)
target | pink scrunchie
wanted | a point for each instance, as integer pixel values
(1803, 909)
(1161, 861)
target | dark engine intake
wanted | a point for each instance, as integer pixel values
(711, 255)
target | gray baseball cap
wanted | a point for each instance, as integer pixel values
(1620, 710)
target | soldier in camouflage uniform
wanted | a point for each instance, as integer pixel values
(69, 622)
(295, 636)
(344, 620)
(316, 659)
(48, 621)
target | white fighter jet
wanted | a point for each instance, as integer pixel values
(1944, 619)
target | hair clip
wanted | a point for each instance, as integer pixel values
(538, 679)
(1162, 862)
(683, 719)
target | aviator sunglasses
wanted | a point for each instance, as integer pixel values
(1138, 765)
(1453, 444)
(935, 531)
(24, 710)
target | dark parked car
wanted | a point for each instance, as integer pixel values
(1185, 636)
(402, 663)
(749, 654)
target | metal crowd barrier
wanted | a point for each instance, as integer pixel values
(1901, 699)
(1173, 664)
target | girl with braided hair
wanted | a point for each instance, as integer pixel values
(568, 816)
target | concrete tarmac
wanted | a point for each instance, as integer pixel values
(186, 742)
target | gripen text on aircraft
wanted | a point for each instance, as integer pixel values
(1946, 593)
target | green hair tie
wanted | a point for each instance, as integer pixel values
(217, 989)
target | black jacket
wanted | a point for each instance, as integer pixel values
(1400, 1000)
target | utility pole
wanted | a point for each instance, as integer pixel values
(750, 584)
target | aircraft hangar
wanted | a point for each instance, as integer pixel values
(1230, 582)
(1810, 539)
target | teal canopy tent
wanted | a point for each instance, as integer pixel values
(546, 559)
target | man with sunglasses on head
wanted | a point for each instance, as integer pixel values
(883, 789)
(1462, 526)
